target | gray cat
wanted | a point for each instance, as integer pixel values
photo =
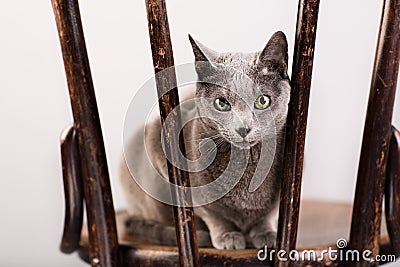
(241, 218)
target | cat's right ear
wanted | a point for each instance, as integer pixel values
(205, 59)
(201, 52)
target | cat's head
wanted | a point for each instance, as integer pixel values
(245, 96)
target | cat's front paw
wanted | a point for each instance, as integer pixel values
(264, 239)
(230, 240)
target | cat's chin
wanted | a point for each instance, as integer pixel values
(244, 144)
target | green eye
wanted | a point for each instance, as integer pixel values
(222, 104)
(262, 102)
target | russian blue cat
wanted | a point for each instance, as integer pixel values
(241, 218)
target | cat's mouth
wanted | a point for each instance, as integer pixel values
(244, 144)
(241, 143)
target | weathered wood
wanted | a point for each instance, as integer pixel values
(297, 122)
(96, 184)
(163, 59)
(392, 192)
(73, 191)
(320, 225)
(365, 228)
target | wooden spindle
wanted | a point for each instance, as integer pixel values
(307, 18)
(163, 59)
(96, 184)
(366, 221)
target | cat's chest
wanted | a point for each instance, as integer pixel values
(241, 198)
(238, 196)
(239, 170)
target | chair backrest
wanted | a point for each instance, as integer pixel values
(93, 162)
(372, 172)
(367, 209)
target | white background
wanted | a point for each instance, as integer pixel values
(34, 104)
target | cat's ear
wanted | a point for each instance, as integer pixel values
(274, 58)
(201, 52)
(205, 59)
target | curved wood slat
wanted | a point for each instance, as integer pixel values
(392, 192)
(73, 191)
(321, 225)
(247, 258)
(366, 221)
(95, 175)
(161, 47)
(169, 256)
(297, 123)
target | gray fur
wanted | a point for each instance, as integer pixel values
(240, 219)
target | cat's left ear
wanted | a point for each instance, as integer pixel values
(274, 58)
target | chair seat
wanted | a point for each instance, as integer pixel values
(321, 225)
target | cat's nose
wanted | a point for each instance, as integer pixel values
(243, 131)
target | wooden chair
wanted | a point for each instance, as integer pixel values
(86, 177)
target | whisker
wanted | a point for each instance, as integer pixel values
(202, 138)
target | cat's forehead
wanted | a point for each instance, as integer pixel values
(243, 77)
(239, 75)
(241, 62)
